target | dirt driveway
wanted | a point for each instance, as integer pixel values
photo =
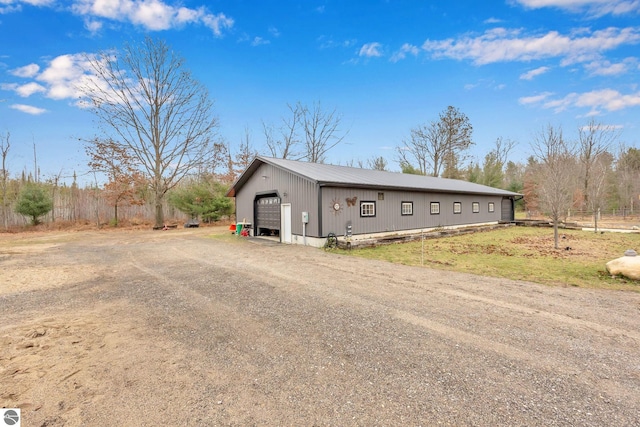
(175, 328)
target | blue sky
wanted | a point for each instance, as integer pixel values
(512, 66)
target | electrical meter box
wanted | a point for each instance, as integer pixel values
(305, 217)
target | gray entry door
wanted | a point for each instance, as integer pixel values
(507, 210)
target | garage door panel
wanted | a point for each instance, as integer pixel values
(268, 213)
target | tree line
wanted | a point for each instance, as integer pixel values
(158, 151)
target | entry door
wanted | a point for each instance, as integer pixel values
(285, 223)
(507, 210)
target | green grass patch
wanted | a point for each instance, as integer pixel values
(521, 253)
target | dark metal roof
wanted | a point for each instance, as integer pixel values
(343, 176)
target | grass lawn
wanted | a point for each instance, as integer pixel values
(522, 253)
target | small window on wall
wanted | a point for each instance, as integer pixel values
(457, 207)
(492, 207)
(380, 196)
(435, 208)
(367, 208)
(475, 207)
(407, 208)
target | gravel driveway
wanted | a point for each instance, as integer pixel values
(176, 328)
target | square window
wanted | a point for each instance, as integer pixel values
(457, 207)
(407, 208)
(475, 207)
(367, 208)
(492, 207)
(435, 208)
(380, 196)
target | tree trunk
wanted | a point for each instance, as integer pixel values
(555, 232)
(159, 212)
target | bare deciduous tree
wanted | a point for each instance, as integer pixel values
(597, 190)
(628, 177)
(237, 161)
(321, 132)
(423, 148)
(594, 139)
(438, 146)
(557, 173)
(155, 109)
(284, 142)
(246, 152)
(377, 163)
(309, 134)
(5, 144)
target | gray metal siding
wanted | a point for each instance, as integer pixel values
(389, 216)
(300, 192)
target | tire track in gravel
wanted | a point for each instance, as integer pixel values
(258, 339)
(385, 299)
(516, 308)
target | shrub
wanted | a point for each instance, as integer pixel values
(33, 201)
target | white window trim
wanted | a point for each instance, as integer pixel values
(373, 209)
(410, 210)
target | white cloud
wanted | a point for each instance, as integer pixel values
(29, 89)
(26, 71)
(217, 23)
(8, 86)
(93, 25)
(503, 45)
(371, 50)
(259, 41)
(592, 7)
(328, 43)
(601, 127)
(492, 21)
(529, 75)
(11, 6)
(606, 68)
(154, 15)
(535, 99)
(38, 2)
(274, 31)
(404, 50)
(596, 101)
(29, 109)
(62, 78)
(29, 2)
(63, 75)
(609, 99)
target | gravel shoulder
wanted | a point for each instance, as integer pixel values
(150, 328)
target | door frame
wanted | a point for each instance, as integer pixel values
(285, 223)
